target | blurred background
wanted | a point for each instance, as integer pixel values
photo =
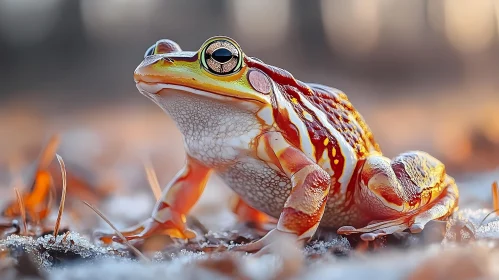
(423, 73)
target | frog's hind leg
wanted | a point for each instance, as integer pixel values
(405, 193)
(250, 216)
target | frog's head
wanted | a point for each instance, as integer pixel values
(217, 71)
(219, 84)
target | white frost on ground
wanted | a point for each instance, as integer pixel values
(433, 262)
(476, 259)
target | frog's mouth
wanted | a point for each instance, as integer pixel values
(158, 90)
(162, 89)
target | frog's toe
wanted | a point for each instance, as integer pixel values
(415, 224)
(371, 236)
(109, 237)
(347, 230)
(250, 247)
(417, 227)
(375, 230)
(267, 243)
(145, 230)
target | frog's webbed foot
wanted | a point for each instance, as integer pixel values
(145, 230)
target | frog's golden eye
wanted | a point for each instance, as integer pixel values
(221, 57)
(150, 51)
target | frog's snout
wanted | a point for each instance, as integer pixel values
(148, 68)
(154, 55)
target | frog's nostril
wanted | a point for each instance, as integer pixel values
(149, 60)
(167, 59)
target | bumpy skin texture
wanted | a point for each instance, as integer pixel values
(297, 152)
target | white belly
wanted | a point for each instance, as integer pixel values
(258, 185)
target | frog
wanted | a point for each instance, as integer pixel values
(296, 153)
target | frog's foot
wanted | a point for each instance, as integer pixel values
(375, 230)
(442, 207)
(412, 189)
(250, 216)
(270, 242)
(168, 217)
(147, 229)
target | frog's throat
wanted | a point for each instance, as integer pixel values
(158, 89)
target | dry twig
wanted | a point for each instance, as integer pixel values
(135, 250)
(495, 202)
(495, 195)
(63, 196)
(152, 179)
(21, 208)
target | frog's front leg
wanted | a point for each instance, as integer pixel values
(404, 193)
(168, 216)
(305, 205)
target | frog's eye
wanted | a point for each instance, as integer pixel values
(150, 51)
(221, 57)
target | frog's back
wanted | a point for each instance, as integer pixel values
(320, 108)
(344, 118)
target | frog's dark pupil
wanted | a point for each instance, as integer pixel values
(222, 55)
